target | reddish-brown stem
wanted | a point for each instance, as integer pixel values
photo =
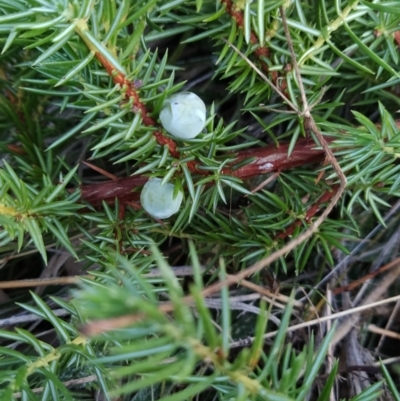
(108, 191)
(311, 212)
(368, 276)
(138, 106)
(16, 149)
(261, 51)
(163, 140)
(265, 160)
(237, 15)
(396, 36)
(270, 159)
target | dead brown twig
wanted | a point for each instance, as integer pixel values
(368, 276)
(377, 292)
(331, 317)
(265, 160)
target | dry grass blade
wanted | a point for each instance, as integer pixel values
(323, 319)
(378, 291)
(392, 212)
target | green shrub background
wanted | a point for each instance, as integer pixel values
(81, 86)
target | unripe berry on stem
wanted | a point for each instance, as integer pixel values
(183, 115)
(158, 200)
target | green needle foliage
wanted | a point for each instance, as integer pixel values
(84, 81)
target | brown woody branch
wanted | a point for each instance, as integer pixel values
(260, 51)
(108, 191)
(311, 212)
(237, 15)
(265, 160)
(138, 106)
(131, 92)
(271, 159)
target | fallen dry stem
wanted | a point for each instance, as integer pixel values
(264, 291)
(383, 332)
(179, 271)
(377, 292)
(320, 320)
(368, 276)
(395, 209)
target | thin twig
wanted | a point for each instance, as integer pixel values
(368, 276)
(217, 303)
(30, 317)
(389, 249)
(378, 291)
(265, 292)
(392, 319)
(314, 322)
(263, 76)
(387, 361)
(69, 383)
(265, 182)
(384, 332)
(179, 271)
(355, 251)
